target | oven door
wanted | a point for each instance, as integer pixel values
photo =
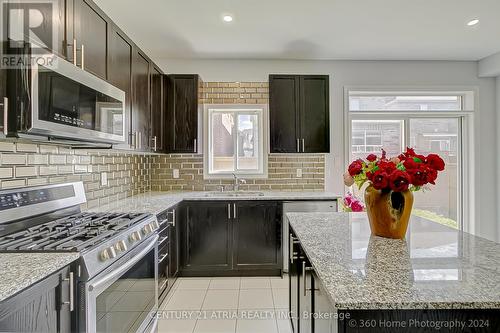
(124, 298)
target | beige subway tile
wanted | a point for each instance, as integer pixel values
(26, 147)
(12, 159)
(38, 159)
(48, 170)
(29, 171)
(6, 172)
(64, 169)
(37, 181)
(48, 149)
(57, 159)
(7, 146)
(13, 183)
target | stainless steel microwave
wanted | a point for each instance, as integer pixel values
(55, 99)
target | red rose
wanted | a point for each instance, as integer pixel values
(435, 162)
(356, 207)
(369, 175)
(431, 175)
(399, 181)
(418, 176)
(410, 152)
(380, 180)
(386, 166)
(355, 168)
(371, 157)
(410, 164)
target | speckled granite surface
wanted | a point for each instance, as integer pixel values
(435, 267)
(157, 202)
(21, 270)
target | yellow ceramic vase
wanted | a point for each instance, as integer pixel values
(388, 212)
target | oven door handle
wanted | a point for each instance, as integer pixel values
(125, 267)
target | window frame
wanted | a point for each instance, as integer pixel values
(263, 142)
(466, 193)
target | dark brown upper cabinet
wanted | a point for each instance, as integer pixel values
(299, 113)
(182, 113)
(120, 71)
(157, 111)
(141, 99)
(91, 32)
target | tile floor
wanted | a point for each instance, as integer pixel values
(226, 305)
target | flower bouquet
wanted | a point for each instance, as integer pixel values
(391, 181)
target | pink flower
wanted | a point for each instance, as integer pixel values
(356, 206)
(348, 180)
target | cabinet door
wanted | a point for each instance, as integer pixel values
(157, 111)
(314, 114)
(283, 113)
(305, 296)
(257, 235)
(91, 32)
(207, 237)
(294, 276)
(321, 305)
(39, 308)
(174, 242)
(120, 71)
(141, 112)
(182, 114)
(3, 96)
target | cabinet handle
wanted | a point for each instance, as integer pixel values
(298, 146)
(5, 115)
(195, 146)
(303, 145)
(138, 140)
(133, 140)
(74, 52)
(173, 217)
(71, 301)
(304, 271)
(83, 56)
(234, 211)
(292, 240)
(154, 142)
(229, 211)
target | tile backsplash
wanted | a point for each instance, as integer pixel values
(282, 174)
(27, 164)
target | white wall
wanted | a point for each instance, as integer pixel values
(381, 73)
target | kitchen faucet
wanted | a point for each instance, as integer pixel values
(237, 182)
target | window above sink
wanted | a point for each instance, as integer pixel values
(235, 141)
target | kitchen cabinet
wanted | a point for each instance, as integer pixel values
(207, 237)
(43, 307)
(91, 33)
(232, 238)
(157, 111)
(321, 305)
(299, 113)
(182, 113)
(294, 273)
(256, 234)
(120, 71)
(141, 112)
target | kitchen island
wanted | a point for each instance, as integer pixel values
(436, 274)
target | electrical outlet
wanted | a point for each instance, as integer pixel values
(299, 173)
(104, 179)
(176, 173)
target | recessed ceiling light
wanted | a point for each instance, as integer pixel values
(227, 18)
(473, 22)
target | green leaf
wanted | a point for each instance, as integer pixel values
(401, 167)
(416, 159)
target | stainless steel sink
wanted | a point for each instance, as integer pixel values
(234, 194)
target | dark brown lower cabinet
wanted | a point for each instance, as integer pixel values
(43, 307)
(231, 238)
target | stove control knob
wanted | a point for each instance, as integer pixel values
(154, 225)
(121, 246)
(108, 253)
(148, 228)
(135, 236)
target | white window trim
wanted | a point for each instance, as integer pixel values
(264, 144)
(470, 106)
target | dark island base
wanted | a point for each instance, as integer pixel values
(442, 321)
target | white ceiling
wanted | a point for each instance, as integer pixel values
(310, 29)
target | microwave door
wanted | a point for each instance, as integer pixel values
(109, 117)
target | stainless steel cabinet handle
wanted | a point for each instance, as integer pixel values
(229, 211)
(133, 140)
(304, 272)
(71, 301)
(154, 142)
(83, 56)
(298, 146)
(5, 115)
(74, 52)
(234, 211)
(303, 146)
(173, 217)
(195, 146)
(293, 255)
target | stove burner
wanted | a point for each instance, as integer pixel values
(79, 232)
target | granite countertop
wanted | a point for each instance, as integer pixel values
(436, 267)
(21, 270)
(157, 202)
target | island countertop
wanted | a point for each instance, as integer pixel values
(436, 267)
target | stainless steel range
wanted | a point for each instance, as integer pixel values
(115, 280)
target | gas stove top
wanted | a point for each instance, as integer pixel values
(77, 233)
